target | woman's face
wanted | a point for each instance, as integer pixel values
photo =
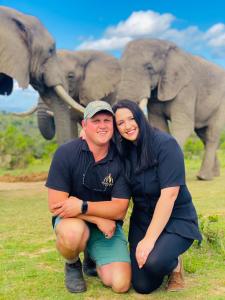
(126, 124)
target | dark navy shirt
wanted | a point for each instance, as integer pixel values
(74, 170)
(146, 187)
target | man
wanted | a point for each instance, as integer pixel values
(87, 192)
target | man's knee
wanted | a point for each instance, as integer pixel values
(71, 233)
(117, 276)
(120, 284)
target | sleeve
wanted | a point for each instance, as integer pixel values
(171, 170)
(59, 174)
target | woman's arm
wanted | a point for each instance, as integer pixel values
(159, 220)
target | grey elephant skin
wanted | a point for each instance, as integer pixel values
(88, 75)
(28, 55)
(185, 89)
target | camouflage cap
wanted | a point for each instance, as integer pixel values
(96, 106)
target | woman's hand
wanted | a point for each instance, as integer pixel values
(107, 227)
(144, 248)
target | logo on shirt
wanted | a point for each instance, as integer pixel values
(108, 181)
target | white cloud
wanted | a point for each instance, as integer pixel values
(112, 43)
(150, 24)
(216, 35)
(141, 23)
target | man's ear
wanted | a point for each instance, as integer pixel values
(83, 123)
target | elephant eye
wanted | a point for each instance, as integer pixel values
(51, 50)
(70, 75)
(149, 67)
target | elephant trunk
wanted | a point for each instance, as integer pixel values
(45, 118)
(65, 124)
(60, 91)
(133, 86)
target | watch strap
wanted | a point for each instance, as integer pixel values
(84, 207)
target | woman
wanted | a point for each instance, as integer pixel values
(163, 222)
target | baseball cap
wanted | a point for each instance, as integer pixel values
(96, 106)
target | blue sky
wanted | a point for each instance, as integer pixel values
(197, 26)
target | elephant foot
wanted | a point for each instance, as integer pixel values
(216, 173)
(201, 176)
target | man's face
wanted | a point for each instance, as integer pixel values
(98, 129)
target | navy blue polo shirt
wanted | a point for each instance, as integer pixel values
(74, 170)
(146, 186)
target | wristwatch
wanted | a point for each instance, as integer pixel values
(84, 207)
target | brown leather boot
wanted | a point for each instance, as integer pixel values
(176, 280)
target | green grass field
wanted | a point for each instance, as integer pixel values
(31, 268)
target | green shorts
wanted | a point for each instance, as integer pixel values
(105, 251)
(102, 250)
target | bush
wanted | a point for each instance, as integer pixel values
(18, 149)
(212, 233)
(193, 148)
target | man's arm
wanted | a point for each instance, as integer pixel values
(115, 209)
(55, 197)
(61, 205)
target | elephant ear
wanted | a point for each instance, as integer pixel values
(176, 74)
(15, 58)
(101, 75)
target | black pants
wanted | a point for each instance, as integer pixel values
(160, 262)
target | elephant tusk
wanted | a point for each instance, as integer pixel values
(60, 91)
(26, 113)
(50, 113)
(143, 106)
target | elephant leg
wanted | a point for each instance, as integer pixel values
(182, 115)
(201, 133)
(206, 171)
(210, 161)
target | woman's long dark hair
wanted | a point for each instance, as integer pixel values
(145, 155)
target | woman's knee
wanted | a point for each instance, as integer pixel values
(158, 266)
(142, 287)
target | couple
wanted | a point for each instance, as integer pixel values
(90, 183)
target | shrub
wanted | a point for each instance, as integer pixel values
(193, 147)
(18, 149)
(212, 233)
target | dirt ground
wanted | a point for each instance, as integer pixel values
(13, 186)
(24, 178)
(33, 181)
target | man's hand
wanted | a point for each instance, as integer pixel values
(107, 227)
(71, 207)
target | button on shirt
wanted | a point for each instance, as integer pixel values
(74, 170)
(146, 187)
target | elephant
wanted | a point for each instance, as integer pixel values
(28, 55)
(180, 92)
(89, 75)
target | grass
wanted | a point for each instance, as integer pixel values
(31, 268)
(37, 166)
